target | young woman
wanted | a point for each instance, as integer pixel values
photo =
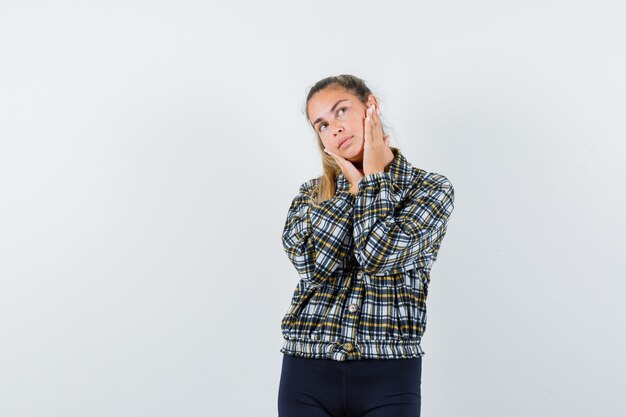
(363, 237)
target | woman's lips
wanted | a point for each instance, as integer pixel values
(345, 141)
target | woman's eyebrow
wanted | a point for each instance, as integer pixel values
(319, 119)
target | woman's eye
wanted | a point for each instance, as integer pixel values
(338, 110)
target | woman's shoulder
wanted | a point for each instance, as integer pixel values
(424, 180)
(309, 185)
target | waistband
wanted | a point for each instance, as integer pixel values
(362, 349)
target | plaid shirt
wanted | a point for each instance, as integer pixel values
(364, 263)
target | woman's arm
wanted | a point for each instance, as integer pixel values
(389, 234)
(318, 239)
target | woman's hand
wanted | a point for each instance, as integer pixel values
(376, 151)
(352, 173)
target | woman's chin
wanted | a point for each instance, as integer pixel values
(352, 153)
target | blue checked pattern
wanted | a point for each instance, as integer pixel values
(364, 263)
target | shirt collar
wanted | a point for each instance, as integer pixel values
(400, 172)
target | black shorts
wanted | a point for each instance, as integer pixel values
(354, 388)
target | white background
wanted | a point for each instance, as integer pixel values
(149, 151)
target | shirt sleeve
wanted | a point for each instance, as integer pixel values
(317, 239)
(389, 234)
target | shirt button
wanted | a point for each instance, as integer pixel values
(352, 308)
(348, 347)
(359, 274)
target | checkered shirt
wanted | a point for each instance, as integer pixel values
(364, 263)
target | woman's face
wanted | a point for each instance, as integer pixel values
(337, 114)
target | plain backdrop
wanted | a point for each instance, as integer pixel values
(149, 151)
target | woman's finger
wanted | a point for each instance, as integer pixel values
(337, 158)
(368, 127)
(374, 115)
(376, 126)
(351, 173)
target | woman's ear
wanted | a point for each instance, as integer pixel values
(372, 100)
